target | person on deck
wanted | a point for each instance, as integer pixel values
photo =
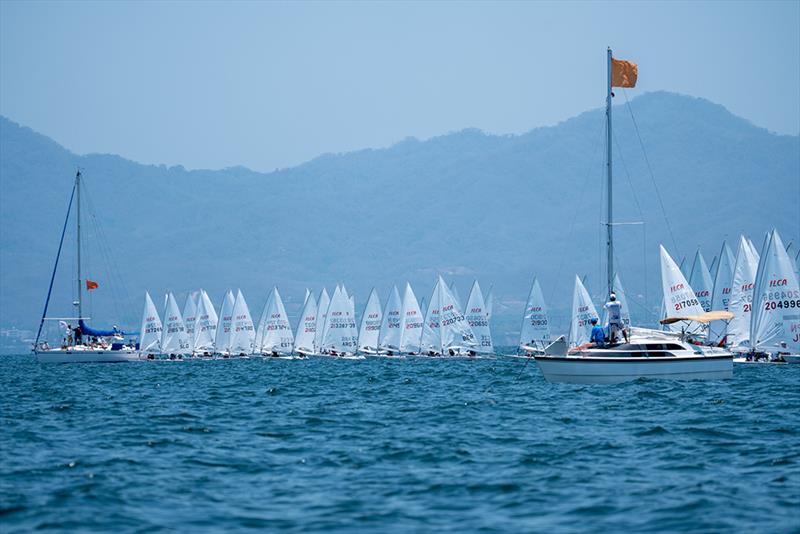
(614, 308)
(598, 334)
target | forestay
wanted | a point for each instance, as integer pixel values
(535, 331)
(583, 311)
(775, 320)
(721, 295)
(478, 321)
(390, 326)
(222, 340)
(371, 319)
(150, 337)
(701, 282)
(411, 322)
(243, 334)
(307, 327)
(276, 331)
(174, 338)
(679, 297)
(744, 278)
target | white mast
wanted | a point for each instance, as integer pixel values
(609, 223)
(78, 240)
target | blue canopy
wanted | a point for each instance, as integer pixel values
(89, 331)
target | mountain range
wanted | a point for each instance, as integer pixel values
(499, 208)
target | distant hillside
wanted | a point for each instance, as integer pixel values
(466, 204)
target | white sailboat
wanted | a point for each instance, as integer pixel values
(340, 336)
(478, 320)
(307, 327)
(368, 334)
(701, 282)
(721, 296)
(150, 332)
(411, 322)
(174, 337)
(243, 334)
(205, 327)
(431, 341)
(535, 334)
(456, 337)
(82, 343)
(649, 353)
(276, 337)
(390, 326)
(679, 297)
(741, 302)
(775, 318)
(322, 314)
(222, 339)
(190, 317)
(583, 311)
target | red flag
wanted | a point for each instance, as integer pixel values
(91, 284)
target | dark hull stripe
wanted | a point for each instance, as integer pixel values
(631, 359)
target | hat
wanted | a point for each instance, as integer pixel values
(613, 296)
(594, 320)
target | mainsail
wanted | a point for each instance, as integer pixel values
(454, 330)
(478, 321)
(744, 278)
(431, 341)
(679, 297)
(150, 337)
(190, 316)
(243, 334)
(721, 296)
(322, 313)
(370, 324)
(535, 330)
(583, 311)
(174, 338)
(222, 340)
(411, 322)
(390, 327)
(307, 327)
(700, 280)
(206, 326)
(340, 332)
(276, 336)
(775, 320)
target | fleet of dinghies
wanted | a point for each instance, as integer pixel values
(327, 326)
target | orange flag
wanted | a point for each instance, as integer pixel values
(623, 73)
(91, 284)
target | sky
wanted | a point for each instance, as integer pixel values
(270, 85)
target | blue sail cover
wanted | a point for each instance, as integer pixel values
(89, 331)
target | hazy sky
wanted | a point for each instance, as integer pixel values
(270, 84)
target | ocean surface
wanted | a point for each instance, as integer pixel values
(415, 445)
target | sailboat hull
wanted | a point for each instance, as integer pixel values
(87, 356)
(588, 370)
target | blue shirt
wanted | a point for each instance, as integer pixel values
(598, 335)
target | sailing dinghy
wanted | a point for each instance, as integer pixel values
(242, 336)
(205, 327)
(174, 337)
(340, 336)
(371, 321)
(390, 326)
(222, 339)
(150, 332)
(275, 331)
(411, 321)
(307, 327)
(534, 335)
(478, 321)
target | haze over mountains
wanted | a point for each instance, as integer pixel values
(465, 204)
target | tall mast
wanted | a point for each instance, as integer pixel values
(609, 190)
(78, 239)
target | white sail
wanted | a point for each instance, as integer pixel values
(489, 301)
(390, 327)
(535, 330)
(222, 340)
(701, 282)
(174, 338)
(411, 322)
(454, 291)
(679, 297)
(340, 332)
(243, 333)
(262, 322)
(371, 321)
(190, 316)
(150, 332)
(721, 295)
(431, 341)
(453, 327)
(583, 311)
(205, 328)
(775, 320)
(277, 334)
(744, 278)
(322, 314)
(622, 297)
(478, 320)
(307, 327)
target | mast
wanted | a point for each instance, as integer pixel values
(609, 222)
(78, 240)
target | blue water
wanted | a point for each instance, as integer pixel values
(415, 445)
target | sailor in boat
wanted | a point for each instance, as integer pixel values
(598, 336)
(615, 325)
